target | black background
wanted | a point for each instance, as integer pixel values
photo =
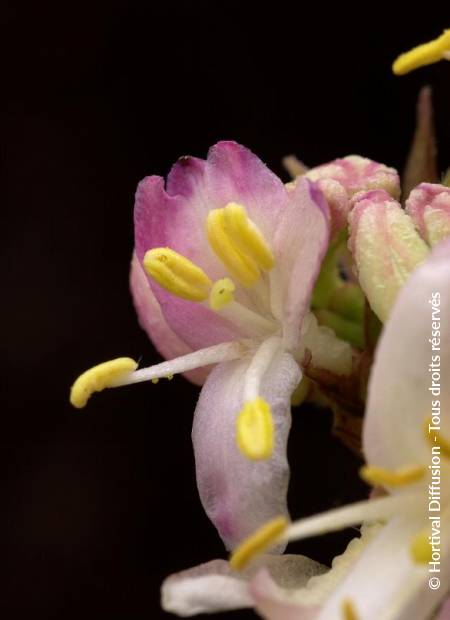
(101, 504)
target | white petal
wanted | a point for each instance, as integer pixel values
(239, 495)
(399, 399)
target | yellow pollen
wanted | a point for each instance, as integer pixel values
(169, 377)
(155, 381)
(259, 541)
(436, 438)
(221, 293)
(255, 431)
(421, 548)
(348, 610)
(177, 274)
(374, 475)
(98, 378)
(247, 237)
(241, 266)
(424, 54)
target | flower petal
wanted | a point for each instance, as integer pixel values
(444, 612)
(302, 600)
(301, 241)
(429, 207)
(239, 495)
(385, 247)
(214, 586)
(162, 220)
(358, 174)
(207, 588)
(385, 582)
(152, 321)
(399, 398)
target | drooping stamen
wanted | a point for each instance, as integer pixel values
(349, 610)
(245, 235)
(424, 54)
(378, 476)
(177, 274)
(259, 365)
(258, 542)
(241, 266)
(254, 424)
(255, 430)
(224, 352)
(436, 438)
(221, 293)
(98, 378)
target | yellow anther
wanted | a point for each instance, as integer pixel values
(421, 548)
(349, 610)
(255, 431)
(424, 54)
(247, 237)
(177, 274)
(221, 293)
(378, 476)
(155, 381)
(98, 378)
(169, 377)
(436, 438)
(241, 266)
(258, 542)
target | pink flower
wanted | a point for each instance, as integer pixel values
(225, 261)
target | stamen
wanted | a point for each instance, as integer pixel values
(241, 266)
(421, 548)
(424, 54)
(349, 610)
(371, 510)
(244, 234)
(246, 320)
(374, 475)
(259, 365)
(98, 378)
(436, 438)
(255, 430)
(177, 274)
(224, 352)
(221, 293)
(258, 542)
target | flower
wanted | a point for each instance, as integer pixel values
(385, 573)
(225, 261)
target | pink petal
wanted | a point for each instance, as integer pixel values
(162, 220)
(239, 495)
(358, 174)
(301, 240)
(152, 321)
(444, 612)
(399, 399)
(429, 207)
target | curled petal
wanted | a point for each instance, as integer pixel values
(214, 586)
(385, 246)
(338, 202)
(358, 174)
(399, 398)
(155, 325)
(429, 207)
(301, 241)
(239, 495)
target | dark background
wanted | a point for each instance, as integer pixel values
(101, 505)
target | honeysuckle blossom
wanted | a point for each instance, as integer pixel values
(225, 260)
(385, 574)
(388, 242)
